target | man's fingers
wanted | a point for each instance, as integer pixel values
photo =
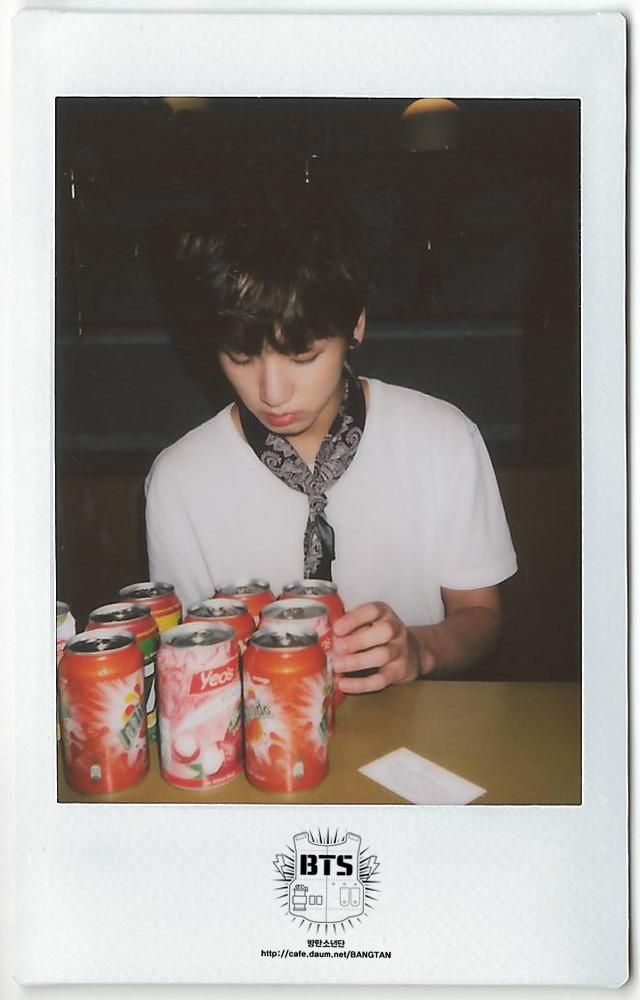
(379, 656)
(362, 685)
(364, 614)
(391, 673)
(366, 637)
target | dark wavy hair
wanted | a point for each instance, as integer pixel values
(280, 268)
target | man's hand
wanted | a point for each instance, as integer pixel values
(372, 636)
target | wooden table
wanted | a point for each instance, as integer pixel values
(520, 741)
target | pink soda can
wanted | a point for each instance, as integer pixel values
(312, 615)
(199, 705)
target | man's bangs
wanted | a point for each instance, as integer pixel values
(286, 316)
(249, 337)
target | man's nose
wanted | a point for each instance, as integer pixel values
(275, 384)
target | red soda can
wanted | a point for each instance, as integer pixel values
(138, 620)
(199, 705)
(284, 692)
(161, 600)
(312, 615)
(224, 610)
(102, 712)
(253, 593)
(324, 591)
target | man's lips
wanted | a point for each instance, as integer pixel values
(280, 419)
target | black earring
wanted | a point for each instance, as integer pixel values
(354, 344)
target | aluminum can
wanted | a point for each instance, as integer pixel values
(199, 705)
(161, 600)
(138, 620)
(65, 629)
(102, 712)
(223, 610)
(285, 710)
(326, 592)
(253, 593)
(312, 615)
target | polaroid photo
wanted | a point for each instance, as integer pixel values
(319, 404)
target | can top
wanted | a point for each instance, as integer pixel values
(218, 607)
(240, 587)
(197, 634)
(102, 641)
(150, 588)
(300, 588)
(62, 610)
(294, 609)
(284, 638)
(119, 612)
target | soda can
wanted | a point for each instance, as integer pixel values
(224, 610)
(161, 600)
(138, 620)
(65, 629)
(253, 593)
(285, 710)
(325, 592)
(312, 615)
(102, 712)
(199, 705)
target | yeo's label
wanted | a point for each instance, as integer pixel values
(200, 715)
(209, 680)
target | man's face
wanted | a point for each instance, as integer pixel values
(290, 394)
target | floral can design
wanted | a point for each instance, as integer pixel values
(199, 705)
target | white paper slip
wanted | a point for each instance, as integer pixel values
(420, 780)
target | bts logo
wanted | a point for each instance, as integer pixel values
(314, 864)
(327, 880)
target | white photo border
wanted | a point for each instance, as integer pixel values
(489, 895)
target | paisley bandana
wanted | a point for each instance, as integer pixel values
(336, 453)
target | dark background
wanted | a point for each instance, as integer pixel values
(475, 263)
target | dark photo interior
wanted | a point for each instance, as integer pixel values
(472, 211)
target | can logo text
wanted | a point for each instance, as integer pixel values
(209, 680)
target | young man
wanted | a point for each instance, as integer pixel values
(314, 472)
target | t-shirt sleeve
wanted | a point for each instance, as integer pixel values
(476, 546)
(173, 548)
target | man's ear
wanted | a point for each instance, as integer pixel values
(358, 330)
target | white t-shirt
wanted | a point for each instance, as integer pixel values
(418, 509)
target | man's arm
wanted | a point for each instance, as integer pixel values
(372, 635)
(468, 632)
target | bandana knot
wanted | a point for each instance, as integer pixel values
(334, 457)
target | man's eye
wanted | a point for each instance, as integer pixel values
(239, 359)
(304, 359)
